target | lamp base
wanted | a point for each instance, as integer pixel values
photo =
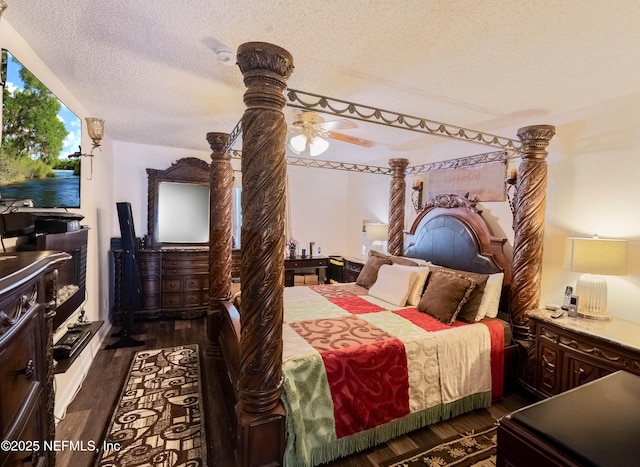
(594, 316)
(592, 292)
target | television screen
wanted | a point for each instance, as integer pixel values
(38, 134)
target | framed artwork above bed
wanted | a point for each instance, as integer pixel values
(485, 182)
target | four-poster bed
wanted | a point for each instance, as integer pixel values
(250, 340)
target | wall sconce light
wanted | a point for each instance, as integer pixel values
(593, 257)
(512, 189)
(95, 128)
(416, 196)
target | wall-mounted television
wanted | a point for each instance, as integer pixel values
(38, 134)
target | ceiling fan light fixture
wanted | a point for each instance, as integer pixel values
(317, 146)
(313, 145)
(298, 143)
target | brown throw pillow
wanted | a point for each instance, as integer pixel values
(369, 273)
(395, 259)
(470, 308)
(445, 295)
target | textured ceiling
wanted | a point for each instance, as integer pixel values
(150, 68)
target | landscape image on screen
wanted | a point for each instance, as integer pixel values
(38, 134)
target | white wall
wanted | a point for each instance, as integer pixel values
(593, 166)
(329, 206)
(593, 189)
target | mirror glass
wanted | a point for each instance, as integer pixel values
(183, 213)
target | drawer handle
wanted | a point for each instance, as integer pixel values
(27, 371)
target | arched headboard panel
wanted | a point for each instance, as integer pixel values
(451, 232)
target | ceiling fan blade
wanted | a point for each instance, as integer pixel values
(341, 124)
(351, 139)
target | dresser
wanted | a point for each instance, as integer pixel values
(569, 352)
(28, 287)
(175, 282)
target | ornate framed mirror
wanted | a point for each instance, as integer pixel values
(178, 204)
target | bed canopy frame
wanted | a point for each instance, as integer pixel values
(266, 68)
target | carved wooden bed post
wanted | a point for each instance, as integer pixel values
(397, 199)
(529, 225)
(259, 412)
(220, 206)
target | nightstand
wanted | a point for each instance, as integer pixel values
(569, 352)
(352, 267)
(317, 264)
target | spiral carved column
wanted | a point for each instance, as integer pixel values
(220, 205)
(397, 200)
(529, 224)
(265, 68)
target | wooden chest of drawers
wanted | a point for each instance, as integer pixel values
(595, 424)
(185, 283)
(150, 266)
(27, 307)
(175, 282)
(570, 352)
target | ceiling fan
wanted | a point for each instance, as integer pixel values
(310, 133)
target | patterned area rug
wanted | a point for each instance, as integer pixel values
(472, 449)
(159, 417)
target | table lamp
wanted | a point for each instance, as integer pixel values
(594, 257)
(378, 234)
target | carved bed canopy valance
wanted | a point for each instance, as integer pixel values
(507, 148)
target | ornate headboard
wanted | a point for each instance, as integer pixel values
(451, 232)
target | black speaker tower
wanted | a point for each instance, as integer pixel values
(131, 284)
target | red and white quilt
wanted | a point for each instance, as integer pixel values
(359, 371)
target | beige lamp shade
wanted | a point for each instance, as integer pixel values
(596, 256)
(377, 232)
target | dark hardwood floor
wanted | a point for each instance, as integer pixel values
(88, 415)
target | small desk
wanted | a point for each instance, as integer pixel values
(595, 424)
(298, 264)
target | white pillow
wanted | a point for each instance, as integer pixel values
(393, 284)
(491, 297)
(415, 294)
